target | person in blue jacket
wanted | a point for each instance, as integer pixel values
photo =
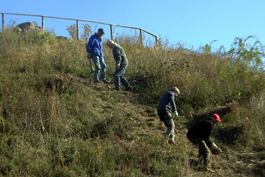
(166, 106)
(94, 50)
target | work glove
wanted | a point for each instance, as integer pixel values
(88, 55)
(176, 113)
(117, 66)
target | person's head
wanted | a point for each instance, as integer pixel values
(110, 43)
(175, 90)
(100, 32)
(215, 118)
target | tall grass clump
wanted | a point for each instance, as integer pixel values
(204, 79)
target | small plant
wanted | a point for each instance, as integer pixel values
(72, 29)
(251, 55)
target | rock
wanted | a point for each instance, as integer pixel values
(18, 30)
(26, 25)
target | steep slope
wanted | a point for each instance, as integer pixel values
(142, 125)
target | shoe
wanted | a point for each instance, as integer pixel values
(170, 142)
(128, 89)
(97, 81)
(105, 81)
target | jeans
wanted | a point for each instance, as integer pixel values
(99, 62)
(118, 77)
(169, 123)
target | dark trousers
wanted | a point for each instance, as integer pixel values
(169, 123)
(204, 150)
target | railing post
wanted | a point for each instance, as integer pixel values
(3, 22)
(111, 34)
(42, 23)
(77, 29)
(141, 37)
(156, 40)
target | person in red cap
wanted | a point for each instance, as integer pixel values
(199, 135)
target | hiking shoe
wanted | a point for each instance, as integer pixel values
(97, 81)
(105, 81)
(117, 89)
(170, 142)
(128, 89)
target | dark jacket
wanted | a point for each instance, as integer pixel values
(167, 103)
(119, 55)
(201, 130)
(94, 46)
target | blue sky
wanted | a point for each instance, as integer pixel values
(190, 22)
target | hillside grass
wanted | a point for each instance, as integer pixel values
(54, 121)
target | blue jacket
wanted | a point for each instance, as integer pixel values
(94, 46)
(167, 103)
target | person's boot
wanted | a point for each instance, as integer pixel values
(170, 142)
(97, 81)
(117, 89)
(129, 89)
(105, 81)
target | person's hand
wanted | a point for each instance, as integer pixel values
(88, 55)
(117, 66)
(214, 145)
(176, 113)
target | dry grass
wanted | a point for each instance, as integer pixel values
(55, 122)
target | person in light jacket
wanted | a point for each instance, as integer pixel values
(120, 65)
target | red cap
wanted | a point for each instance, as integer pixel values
(216, 116)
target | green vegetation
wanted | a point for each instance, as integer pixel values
(54, 121)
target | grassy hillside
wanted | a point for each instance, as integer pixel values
(54, 121)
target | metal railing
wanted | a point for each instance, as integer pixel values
(77, 24)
